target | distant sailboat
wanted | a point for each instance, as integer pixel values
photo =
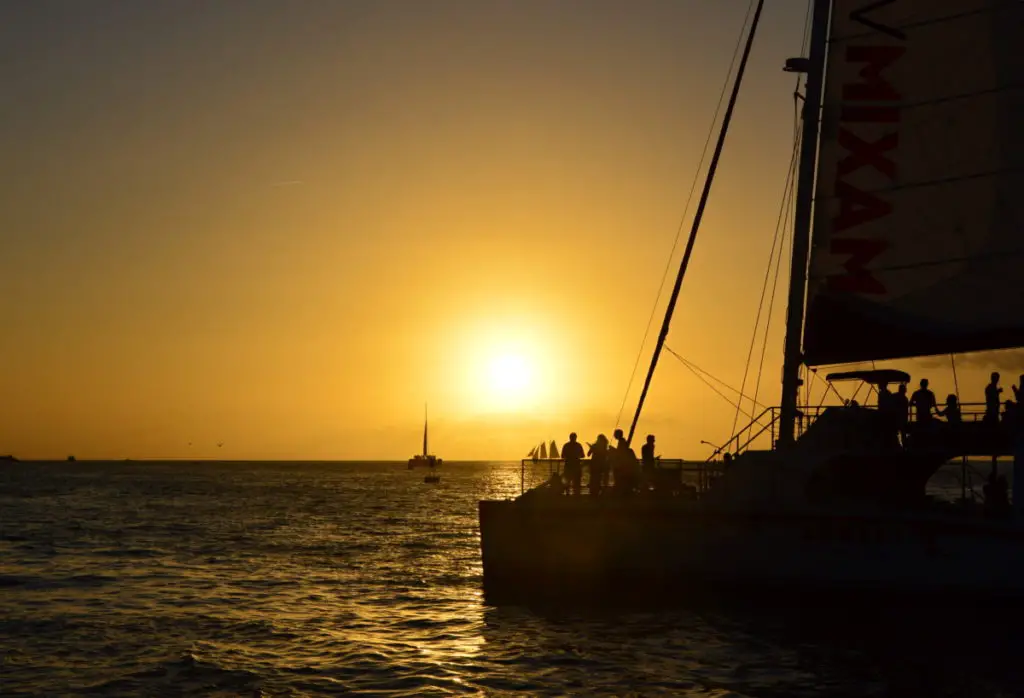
(424, 459)
(543, 452)
(553, 451)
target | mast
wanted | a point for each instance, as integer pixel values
(424, 430)
(697, 218)
(792, 356)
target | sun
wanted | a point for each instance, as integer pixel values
(505, 380)
(509, 376)
(507, 367)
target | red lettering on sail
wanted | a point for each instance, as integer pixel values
(870, 115)
(857, 207)
(874, 88)
(857, 279)
(867, 153)
(868, 97)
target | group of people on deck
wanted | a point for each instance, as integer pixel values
(617, 464)
(924, 407)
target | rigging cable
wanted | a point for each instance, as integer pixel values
(775, 283)
(781, 226)
(697, 369)
(764, 285)
(778, 242)
(956, 383)
(686, 209)
(698, 216)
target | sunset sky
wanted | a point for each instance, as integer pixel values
(285, 225)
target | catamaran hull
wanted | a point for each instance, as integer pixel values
(591, 548)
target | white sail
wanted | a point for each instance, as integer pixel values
(919, 206)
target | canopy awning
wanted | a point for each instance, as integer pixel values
(877, 377)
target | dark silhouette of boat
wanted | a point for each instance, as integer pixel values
(424, 459)
(9, 458)
(913, 159)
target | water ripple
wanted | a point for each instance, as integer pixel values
(321, 579)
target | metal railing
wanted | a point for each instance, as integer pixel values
(696, 474)
(766, 420)
(702, 473)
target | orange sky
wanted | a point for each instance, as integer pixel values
(285, 226)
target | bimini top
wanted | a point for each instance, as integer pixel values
(882, 375)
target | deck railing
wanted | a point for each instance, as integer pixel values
(700, 474)
(764, 423)
(696, 474)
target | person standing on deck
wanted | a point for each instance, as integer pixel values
(887, 413)
(954, 419)
(598, 453)
(884, 398)
(624, 465)
(952, 412)
(648, 462)
(901, 411)
(992, 392)
(572, 454)
(1016, 426)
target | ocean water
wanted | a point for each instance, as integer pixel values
(321, 579)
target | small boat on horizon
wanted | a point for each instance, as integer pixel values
(425, 459)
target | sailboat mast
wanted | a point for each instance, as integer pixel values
(424, 430)
(697, 218)
(792, 355)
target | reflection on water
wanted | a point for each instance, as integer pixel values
(316, 579)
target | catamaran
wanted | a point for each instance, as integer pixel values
(907, 241)
(424, 459)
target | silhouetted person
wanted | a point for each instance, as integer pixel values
(1011, 423)
(598, 453)
(901, 411)
(884, 398)
(648, 462)
(1017, 441)
(624, 465)
(954, 418)
(887, 414)
(572, 454)
(952, 410)
(1018, 390)
(923, 402)
(992, 392)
